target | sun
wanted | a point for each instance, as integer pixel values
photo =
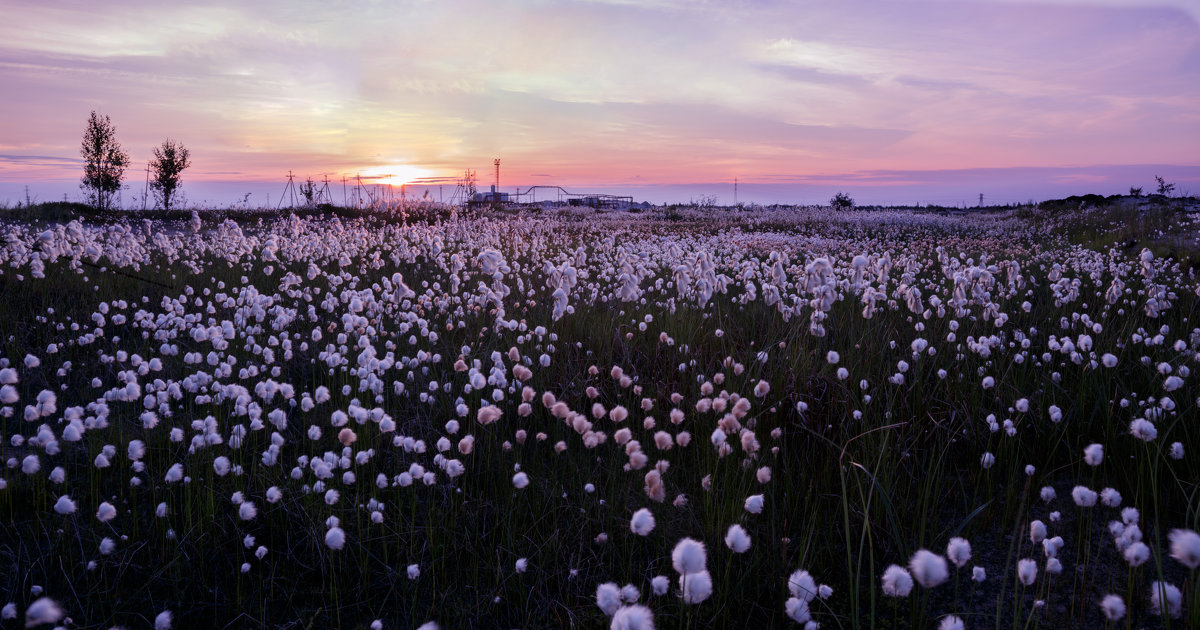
(394, 174)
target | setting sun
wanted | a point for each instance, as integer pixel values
(395, 174)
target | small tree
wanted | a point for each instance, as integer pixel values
(841, 201)
(308, 190)
(1135, 191)
(104, 161)
(170, 160)
(1164, 188)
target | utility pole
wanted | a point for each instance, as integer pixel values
(735, 190)
(980, 200)
(146, 190)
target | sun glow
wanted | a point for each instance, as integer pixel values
(394, 174)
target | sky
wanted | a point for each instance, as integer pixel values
(665, 100)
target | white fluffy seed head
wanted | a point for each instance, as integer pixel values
(737, 539)
(642, 522)
(959, 551)
(928, 568)
(802, 586)
(42, 611)
(335, 538)
(1027, 571)
(1165, 599)
(634, 617)
(689, 556)
(608, 598)
(1113, 607)
(1185, 547)
(897, 582)
(696, 587)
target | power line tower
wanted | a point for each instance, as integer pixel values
(497, 163)
(324, 192)
(980, 200)
(146, 190)
(289, 191)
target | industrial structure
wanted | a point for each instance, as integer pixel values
(551, 196)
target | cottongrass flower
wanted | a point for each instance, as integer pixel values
(1113, 607)
(897, 582)
(696, 587)
(632, 618)
(1084, 496)
(106, 512)
(1027, 571)
(1136, 554)
(737, 539)
(429, 625)
(521, 565)
(247, 511)
(688, 556)
(763, 475)
(608, 598)
(1143, 429)
(335, 538)
(642, 522)
(31, 464)
(959, 552)
(64, 505)
(1163, 592)
(1093, 455)
(978, 574)
(802, 586)
(659, 585)
(42, 611)
(797, 610)
(928, 568)
(1185, 547)
(163, 620)
(1110, 497)
(413, 571)
(1037, 532)
(1051, 546)
(520, 480)
(754, 503)
(630, 593)
(950, 622)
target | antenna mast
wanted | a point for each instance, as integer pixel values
(497, 163)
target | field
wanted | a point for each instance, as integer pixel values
(873, 419)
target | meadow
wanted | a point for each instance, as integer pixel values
(716, 419)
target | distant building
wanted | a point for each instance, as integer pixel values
(490, 197)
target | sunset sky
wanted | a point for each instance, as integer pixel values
(898, 101)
